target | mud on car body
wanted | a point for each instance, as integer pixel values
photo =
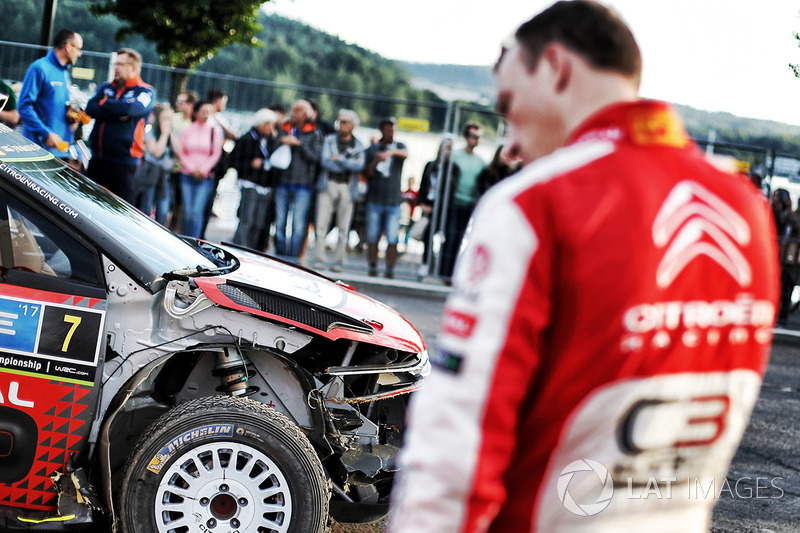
(156, 383)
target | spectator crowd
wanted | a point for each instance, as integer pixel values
(298, 174)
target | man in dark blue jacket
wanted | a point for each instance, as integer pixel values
(44, 98)
(120, 109)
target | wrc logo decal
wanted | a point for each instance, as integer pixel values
(693, 222)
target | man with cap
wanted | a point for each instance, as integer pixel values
(383, 171)
(250, 158)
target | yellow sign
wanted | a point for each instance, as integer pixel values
(743, 166)
(413, 124)
(83, 73)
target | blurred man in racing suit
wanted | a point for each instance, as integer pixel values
(604, 347)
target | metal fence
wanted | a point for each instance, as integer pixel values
(777, 169)
(428, 123)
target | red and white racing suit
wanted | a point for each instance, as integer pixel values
(604, 347)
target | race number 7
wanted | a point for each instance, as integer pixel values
(75, 321)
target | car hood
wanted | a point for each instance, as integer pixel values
(288, 294)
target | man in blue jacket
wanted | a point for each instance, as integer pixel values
(120, 109)
(44, 98)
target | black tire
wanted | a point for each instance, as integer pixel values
(259, 473)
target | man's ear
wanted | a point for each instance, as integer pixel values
(559, 60)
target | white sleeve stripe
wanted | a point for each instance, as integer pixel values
(443, 454)
(551, 167)
(444, 438)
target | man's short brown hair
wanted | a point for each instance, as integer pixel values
(62, 38)
(587, 28)
(468, 127)
(191, 97)
(135, 56)
(214, 94)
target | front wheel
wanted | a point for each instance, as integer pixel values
(223, 464)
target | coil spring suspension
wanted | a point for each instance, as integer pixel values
(234, 368)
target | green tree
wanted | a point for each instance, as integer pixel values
(185, 32)
(796, 67)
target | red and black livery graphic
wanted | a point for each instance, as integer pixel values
(49, 354)
(38, 437)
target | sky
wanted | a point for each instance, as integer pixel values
(714, 55)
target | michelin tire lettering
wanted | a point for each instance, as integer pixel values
(189, 437)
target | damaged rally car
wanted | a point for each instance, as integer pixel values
(156, 384)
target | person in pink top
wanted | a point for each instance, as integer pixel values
(201, 148)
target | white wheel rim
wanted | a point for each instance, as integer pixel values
(223, 486)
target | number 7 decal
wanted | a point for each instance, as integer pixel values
(75, 321)
(61, 336)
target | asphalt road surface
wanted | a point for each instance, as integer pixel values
(762, 494)
(767, 463)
